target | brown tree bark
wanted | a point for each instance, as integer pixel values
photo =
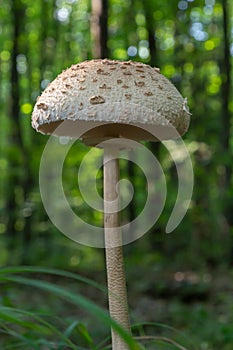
(99, 28)
(15, 137)
(226, 71)
(19, 179)
(226, 120)
(151, 29)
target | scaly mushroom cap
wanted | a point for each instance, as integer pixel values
(117, 98)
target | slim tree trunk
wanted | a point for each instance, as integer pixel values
(226, 120)
(15, 137)
(226, 95)
(99, 28)
(20, 179)
(149, 8)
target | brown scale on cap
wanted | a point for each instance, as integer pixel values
(128, 96)
(95, 100)
(42, 106)
(104, 86)
(139, 83)
(132, 95)
(80, 106)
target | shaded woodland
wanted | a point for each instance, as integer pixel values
(192, 43)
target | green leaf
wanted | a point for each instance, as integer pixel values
(78, 300)
(83, 332)
(36, 324)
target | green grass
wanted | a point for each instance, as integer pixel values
(48, 309)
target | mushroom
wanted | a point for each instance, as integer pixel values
(112, 100)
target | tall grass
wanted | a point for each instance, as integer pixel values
(21, 328)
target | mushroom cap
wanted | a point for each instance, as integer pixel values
(103, 99)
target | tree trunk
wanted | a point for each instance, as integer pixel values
(226, 96)
(99, 28)
(151, 29)
(20, 179)
(15, 137)
(226, 119)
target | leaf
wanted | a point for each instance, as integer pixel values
(63, 273)
(15, 315)
(78, 300)
(82, 330)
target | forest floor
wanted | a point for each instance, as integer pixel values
(193, 309)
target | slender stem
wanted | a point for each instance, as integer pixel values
(117, 294)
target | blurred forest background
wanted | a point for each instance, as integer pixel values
(192, 43)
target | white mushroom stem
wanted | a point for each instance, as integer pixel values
(117, 294)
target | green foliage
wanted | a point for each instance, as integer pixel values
(189, 50)
(32, 328)
(186, 39)
(23, 328)
(53, 35)
(35, 324)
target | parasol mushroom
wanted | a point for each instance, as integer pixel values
(117, 100)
